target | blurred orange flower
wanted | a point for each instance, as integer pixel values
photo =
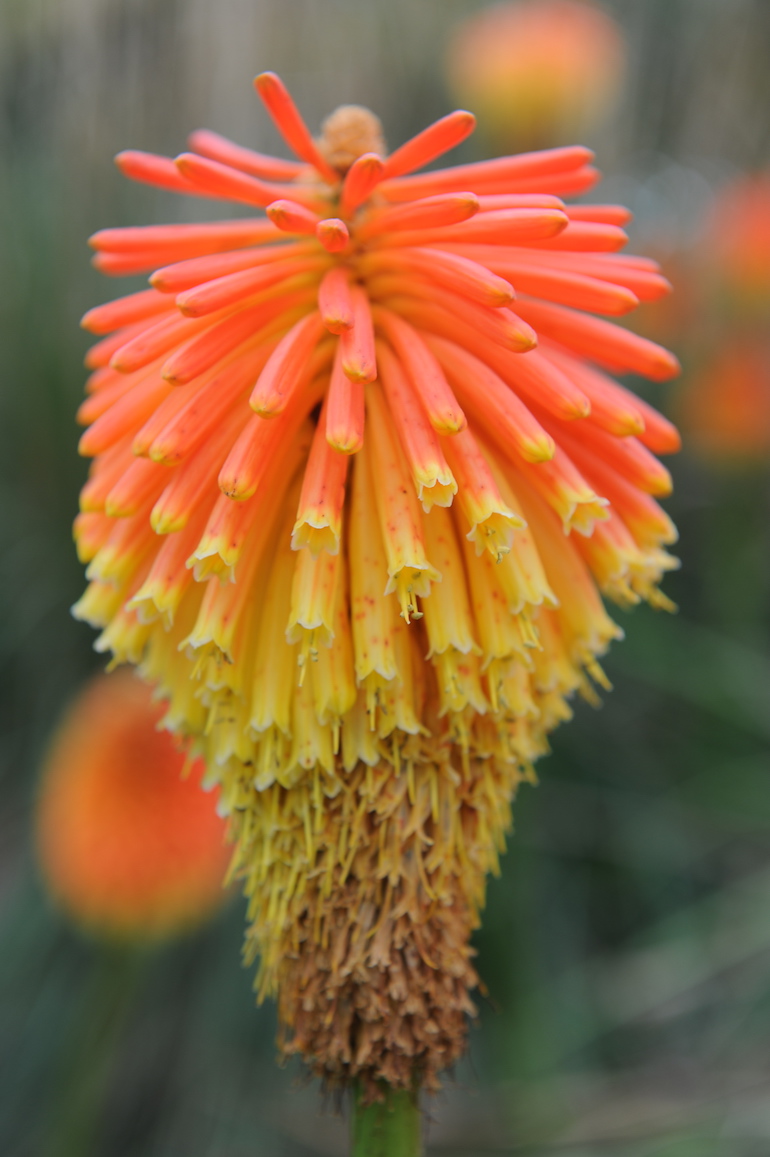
(725, 407)
(537, 72)
(738, 239)
(129, 845)
(724, 400)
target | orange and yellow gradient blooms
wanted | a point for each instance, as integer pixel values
(361, 471)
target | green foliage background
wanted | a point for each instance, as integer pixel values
(626, 946)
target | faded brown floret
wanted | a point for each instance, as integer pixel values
(395, 1008)
(363, 910)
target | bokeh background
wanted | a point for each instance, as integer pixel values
(626, 946)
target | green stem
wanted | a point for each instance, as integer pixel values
(389, 1128)
(107, 999)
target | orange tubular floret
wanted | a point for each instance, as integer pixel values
(568, 183)
(165, 413)
(410, 573)
(101, 352)
(124, 264)
(333, 234)
(220, 545)
(566, 491)
(198, 355)
(496, 201)
(224, 605)
(492, 522)
(90, 531)
(459, 274)
(125, 416)
(601, 341)
(544, 383)
(189, 240)
(660, 435)
(344, 409)
(358, 356)
(188, 274)
(161, 592)
(606, 214)
(156, 340)
(334, 300)
(260, 440)
(612, 408)
(583, 236)
(441, 312)
(438, 138)
(491, 402)
(619, 269)
(218, 148)
(239, 287)
(103, 399)
(125, 311)
(429, 213)
(502, 227)
(626, 455)
(424, 372)
(536, 378)
(567, 288)
(504, 174)
(319, 515)
(230, 523)
(314, 591)
(432, 477)
(154, 170)
(290, 217)
(647, 521)
(361, 180)
(195, 479)
(215, 180)
(290, 124)
(289, 363)
(103, 473)
(140, 484)
(129, 543)
(191, 425)
(100, 379)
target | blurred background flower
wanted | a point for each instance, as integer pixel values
(537, 72)
(738, 230)
(724, 402)
(128, 843)
(134, 854)
(627, 943)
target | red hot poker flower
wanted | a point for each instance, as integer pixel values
(360, 471)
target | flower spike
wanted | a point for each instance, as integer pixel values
(361, 476)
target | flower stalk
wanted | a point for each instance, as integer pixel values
(391, 1127)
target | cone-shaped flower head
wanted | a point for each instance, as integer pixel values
(537, 72)
(129, 847)
(360, 473)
